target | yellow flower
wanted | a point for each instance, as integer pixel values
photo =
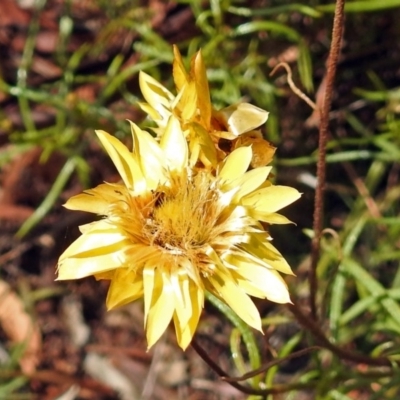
(203, 125)
(170, 232)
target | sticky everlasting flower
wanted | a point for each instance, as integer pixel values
(170, 232)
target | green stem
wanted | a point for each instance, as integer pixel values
(50, 199)
(26, 60)
(247, 335)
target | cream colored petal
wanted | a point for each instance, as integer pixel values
(175, 147)
(236, 299)
(148, 287)
(150, 156)
(249, 182)
(263, 256)
(155, 94)
(100, 248)
(194, 152)
(161, 308)
(102, 225)
(181, 77)
(96, 235)
(224, 135)
(271, 199)
(279, 263)
(201, 141)
(273, 218)
(180, 283)
(192, 271)
(125, 287)
(187, 104)
(87, 227)
(264, 253)
(216, 260)
(235, 164)
(123, 160)
(250, 288)
(243, 117)
(92, 262)
(268, 280)
(151, 112)
(97, 200)
(186, 296)
(183, 302)
(228, 240)
(198, 69)
(175, 110)
(186, 331)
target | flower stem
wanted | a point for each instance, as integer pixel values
(333, 58)
(247, 335)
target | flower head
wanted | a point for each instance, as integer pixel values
(187, 217)
(169, 233)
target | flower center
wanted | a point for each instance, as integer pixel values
(184, 214)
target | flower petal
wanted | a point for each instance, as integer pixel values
(185, 330)
(249, 182)
(203, 92)
(235, 164)
(95, 235)
(243, 117)
(97, 200)
(260, 251)
(100, 248)
(187, 103)
(150, 156)
(271, 199)
(266, 280)
(148, 287)
(92, 262)
(175, 146)
(126, 286)
(155, 94)
(152, 113)
(201, 146)
(236, 298)
(270, 218)
(161, 308)
(124, 161)
(279, 263)
(180, 75)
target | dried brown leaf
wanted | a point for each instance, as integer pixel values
(19, 327)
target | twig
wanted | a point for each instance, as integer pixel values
(362, 190)
(314, 328)
(337, 32)
(292, 85)
(245, 389)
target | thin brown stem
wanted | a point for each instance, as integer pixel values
(292, 85)
(245, 389)
(333, 58)
(313, 327)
